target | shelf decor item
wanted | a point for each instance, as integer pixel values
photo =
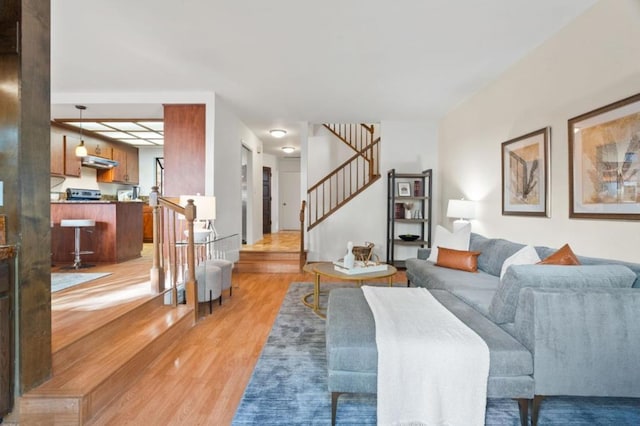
(404, 189)
(417, 188)
(604, 162)
(409, 237)
(407, 210)
(525, 174)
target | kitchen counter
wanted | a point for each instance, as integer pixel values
(117, 236)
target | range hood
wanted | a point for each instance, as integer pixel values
(98, 162)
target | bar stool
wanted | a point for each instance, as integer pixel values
(78, 224)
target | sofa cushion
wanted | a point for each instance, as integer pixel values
(350, 332)
(493, 252)
(424, 273)
(458, 259)
(478, 299)
(458, 240)
(351, 341)
(508, 357)
(505, 301)
(563, 256)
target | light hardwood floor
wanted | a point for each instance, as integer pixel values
(200, 379)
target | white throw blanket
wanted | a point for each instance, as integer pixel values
(432, 368)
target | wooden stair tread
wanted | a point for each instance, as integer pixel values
(87, 373)
(65, 356)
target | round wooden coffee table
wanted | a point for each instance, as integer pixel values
(327, 269)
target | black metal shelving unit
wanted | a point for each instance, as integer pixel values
(420, 187)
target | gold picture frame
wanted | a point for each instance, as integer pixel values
(604, 162)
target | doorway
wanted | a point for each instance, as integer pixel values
(244, 190)
(289, 183)
(266, 200)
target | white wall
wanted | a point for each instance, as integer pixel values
(230, 135)
(590, 63)
(406, 146)
(147, 167)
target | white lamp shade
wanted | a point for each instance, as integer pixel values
(461, 209)
(81, 150)
(205, 206)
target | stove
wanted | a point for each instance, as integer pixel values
(78, 194)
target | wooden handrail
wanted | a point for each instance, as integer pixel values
(344, 164)
(341, 191)
(348, 134)
(164, 242)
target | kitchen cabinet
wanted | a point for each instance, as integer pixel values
(127, 171)
(6, 330)
(147, 223)
(408, 213)
(57, 155)
(116, 237)
(72, 164)
(98, 148)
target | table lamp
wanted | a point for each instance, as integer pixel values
(462, 210)
(205, 213)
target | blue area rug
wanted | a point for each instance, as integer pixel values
(289, 384)
(62, 280)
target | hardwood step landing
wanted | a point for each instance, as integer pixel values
(90, 372)
(268, 261)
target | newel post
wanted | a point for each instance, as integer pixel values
(190, 285)
(156, 274)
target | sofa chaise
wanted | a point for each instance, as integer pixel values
(550, 329)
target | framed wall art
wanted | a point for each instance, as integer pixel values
(404, 189)
(604, 162)
(525, 174)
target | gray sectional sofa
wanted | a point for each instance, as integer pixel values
(550, 329)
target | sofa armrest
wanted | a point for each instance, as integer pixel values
(583, 341)
(423, 253)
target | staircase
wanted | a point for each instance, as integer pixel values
(89, 372)
(268, 262)
(351, 177)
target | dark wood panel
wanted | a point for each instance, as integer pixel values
(184, 149)
(26, 137)
(6, 340)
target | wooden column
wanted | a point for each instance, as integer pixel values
(25, 155)
(184, 149)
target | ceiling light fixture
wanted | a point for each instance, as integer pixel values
(81, 150)
(277, 133)
(288, 149)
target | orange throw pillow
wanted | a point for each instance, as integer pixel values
(458, 259)
(564, 256)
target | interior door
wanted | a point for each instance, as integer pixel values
(266, 200)
(289, 183)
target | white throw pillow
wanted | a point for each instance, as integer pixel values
(458, 240)
(527, 255)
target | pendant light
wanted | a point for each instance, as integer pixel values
(81, 150)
